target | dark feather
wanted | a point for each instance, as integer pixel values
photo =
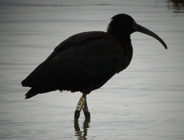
(77, 64)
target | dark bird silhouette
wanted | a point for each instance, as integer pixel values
(86, 61)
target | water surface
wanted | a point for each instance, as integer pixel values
(146, 101)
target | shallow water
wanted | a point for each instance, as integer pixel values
(146, 101)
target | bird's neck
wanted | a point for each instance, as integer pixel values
(125, 42)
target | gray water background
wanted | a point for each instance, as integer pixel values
(144, 102)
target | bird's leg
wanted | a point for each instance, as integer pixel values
(79, 107)
(86, 111)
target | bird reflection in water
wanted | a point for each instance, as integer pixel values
(81, 134)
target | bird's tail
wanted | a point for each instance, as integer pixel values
(39, 90)
(32, 92)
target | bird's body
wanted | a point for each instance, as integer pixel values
(86, 61)
(83, 62)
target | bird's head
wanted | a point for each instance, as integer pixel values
(123, 25)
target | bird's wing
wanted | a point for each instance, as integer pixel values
(87, 59)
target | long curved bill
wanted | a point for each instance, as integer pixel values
(144, 30)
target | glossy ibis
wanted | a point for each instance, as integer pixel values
(86, 61)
